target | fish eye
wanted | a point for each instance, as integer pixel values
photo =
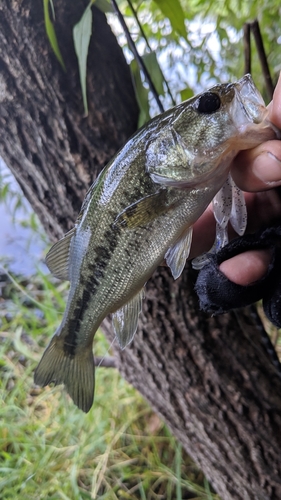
(209, 103)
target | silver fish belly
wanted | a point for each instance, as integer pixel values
(139, 211)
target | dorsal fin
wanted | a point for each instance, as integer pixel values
(176, 255)
(57, 259)
(125, 320)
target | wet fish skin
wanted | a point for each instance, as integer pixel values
(140, 209)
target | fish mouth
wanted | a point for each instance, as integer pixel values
(250, 113)
(249, 100)
(250, 108)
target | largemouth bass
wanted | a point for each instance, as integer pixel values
(139, 212)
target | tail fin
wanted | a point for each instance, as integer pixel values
(76, 372)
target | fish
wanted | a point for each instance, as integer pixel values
(138, 213)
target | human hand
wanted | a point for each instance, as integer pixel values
(256, 171)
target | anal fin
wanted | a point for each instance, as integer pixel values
(176, 255)
(125, 320)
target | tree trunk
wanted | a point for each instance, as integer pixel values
(210, 379)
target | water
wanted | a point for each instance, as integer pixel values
(22, 249)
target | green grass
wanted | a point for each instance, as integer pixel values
(51, 450)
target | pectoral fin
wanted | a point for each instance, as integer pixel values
(144, 210)
(176, 256)
(125, 320)
(57, 259)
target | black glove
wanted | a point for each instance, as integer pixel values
(217, 294)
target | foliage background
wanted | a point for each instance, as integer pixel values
(200, 43)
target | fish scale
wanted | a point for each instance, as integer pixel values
(140, 211)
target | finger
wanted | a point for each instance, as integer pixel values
(263, 208)
(259, 168)
(247, 267)
(275, 106)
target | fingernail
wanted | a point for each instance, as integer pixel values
(267, 168)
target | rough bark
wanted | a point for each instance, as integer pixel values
(214, 385)
(210, 379)
(53, 150)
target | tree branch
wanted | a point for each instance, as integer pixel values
(247, 48)
(138, 58)
(262, 57)
(135, 14)
(105, 361)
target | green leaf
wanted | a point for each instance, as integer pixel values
(51, 34)
(141, 94)
(103, 5)
(186, 94)
(81, 35)
(172, 9)
(20, 346)
(154, 70)
(4, 191)
(52, 9)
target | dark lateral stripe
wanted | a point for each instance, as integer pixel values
(91, 284)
